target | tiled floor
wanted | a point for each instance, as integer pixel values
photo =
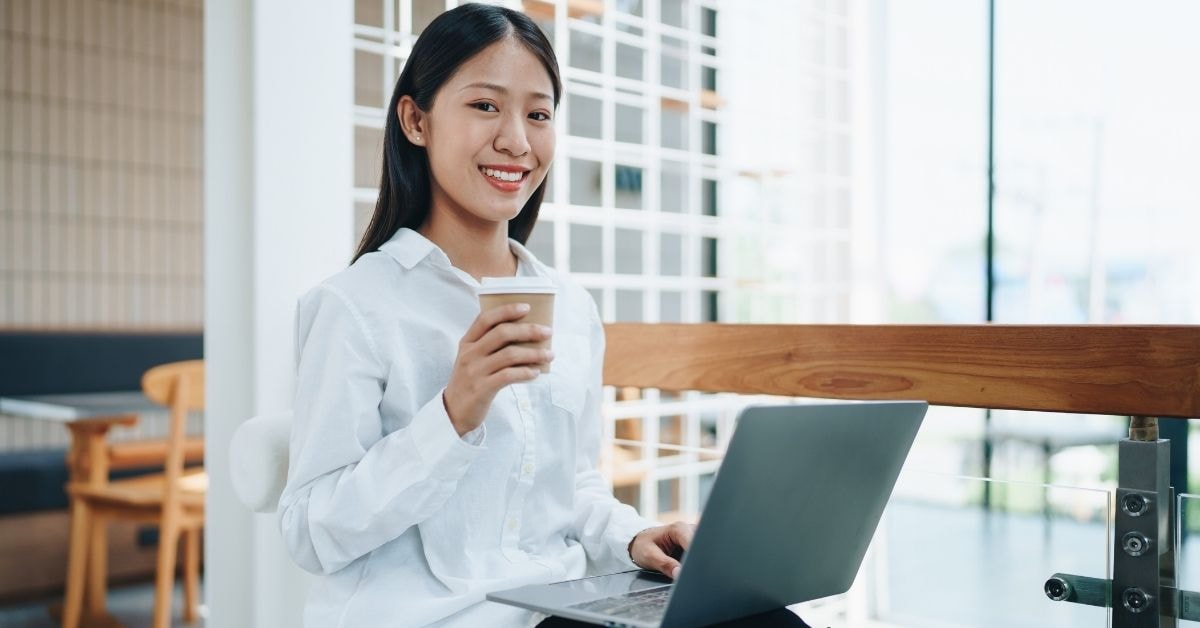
(132, 605)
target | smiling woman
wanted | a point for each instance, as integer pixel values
(449, 84)
(435, 455)
(482, 129)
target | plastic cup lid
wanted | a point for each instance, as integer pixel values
(516, 285)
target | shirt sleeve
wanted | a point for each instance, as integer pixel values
(350, 487)
(604, 525)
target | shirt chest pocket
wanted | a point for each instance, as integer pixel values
(570, 373)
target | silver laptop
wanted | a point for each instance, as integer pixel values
(791, 513)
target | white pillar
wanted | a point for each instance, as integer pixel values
(278, 218)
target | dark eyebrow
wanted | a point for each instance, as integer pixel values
(504, 90)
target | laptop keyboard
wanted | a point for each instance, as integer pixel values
(647, 604)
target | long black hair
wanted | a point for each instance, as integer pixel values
(449, 41)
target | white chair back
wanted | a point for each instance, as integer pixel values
(258, 460)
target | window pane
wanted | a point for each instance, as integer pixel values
(674, 127)
(632, 7)
(586, 249)
(670, 254)
(629, 124)
(628, 253)
(369, 12)
(584, 116)
(629, 306)
(628, 180)
(1096, 205)
(423, 12)
(585, 51)
(708, 136)
(669, 499)
(672, 12)
(708, 257)
(585, 182)
(368, 79)
(708, 200)
(709, 306)
(362, 218)
(708, 22)
(935, 134)
(368, 151)
(630, 62)
(670, 306)
(674, 63)
(674, 187)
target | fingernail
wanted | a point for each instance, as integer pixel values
(549, 354)
(522, 307)
(545, 330)
(675, 573)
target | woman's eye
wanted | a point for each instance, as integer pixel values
(540, 116)
(483, 106)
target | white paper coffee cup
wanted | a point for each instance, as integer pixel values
(538, 292)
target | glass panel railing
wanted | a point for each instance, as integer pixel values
(941, 557)
(1187, 558)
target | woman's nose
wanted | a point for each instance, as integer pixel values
(511, 137)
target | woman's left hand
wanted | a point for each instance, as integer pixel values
(661, 548)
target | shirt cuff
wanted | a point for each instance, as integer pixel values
(622, 536)
(476, 436)
(438, 443)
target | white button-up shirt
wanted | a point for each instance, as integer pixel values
(407, 523)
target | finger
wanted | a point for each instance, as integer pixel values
(682, 534)
(511, 375)
(656, 559)
(508, 333)
(491, 317)
(516, 355)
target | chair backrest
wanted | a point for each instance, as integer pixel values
(258, 460)
(180, 387)
(176, 383)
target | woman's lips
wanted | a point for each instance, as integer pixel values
(505, 186)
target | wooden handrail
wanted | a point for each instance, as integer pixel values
(1097, 369)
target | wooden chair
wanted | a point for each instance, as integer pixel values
(174, 500)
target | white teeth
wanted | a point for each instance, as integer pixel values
(503, 176)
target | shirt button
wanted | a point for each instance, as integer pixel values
(527, 469)
(512, 524)
(524, 405)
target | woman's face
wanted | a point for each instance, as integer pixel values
(489, 134)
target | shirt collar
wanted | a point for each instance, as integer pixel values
(410, 247)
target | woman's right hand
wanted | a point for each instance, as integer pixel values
(488, 360)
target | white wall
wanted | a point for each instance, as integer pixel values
(278, 161)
